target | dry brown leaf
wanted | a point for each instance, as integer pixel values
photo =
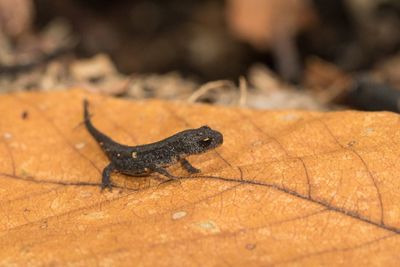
(261, 22)
(326, 81)
(272, 24)
(298, 188)
(16, 16)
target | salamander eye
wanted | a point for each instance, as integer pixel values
(206, 142)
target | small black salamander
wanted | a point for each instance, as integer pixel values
(143, 159)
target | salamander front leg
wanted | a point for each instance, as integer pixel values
(164, 172)
(189, 167)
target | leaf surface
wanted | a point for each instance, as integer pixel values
(286, 188)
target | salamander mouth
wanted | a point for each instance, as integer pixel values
(218, 139)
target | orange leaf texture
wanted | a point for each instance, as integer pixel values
(287, 188)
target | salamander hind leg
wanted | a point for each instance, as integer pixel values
(105, 181)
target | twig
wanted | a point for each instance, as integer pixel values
(243, 91)
(207, 87)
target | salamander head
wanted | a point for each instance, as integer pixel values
(196, 141)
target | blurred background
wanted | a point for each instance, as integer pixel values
(268, 54)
